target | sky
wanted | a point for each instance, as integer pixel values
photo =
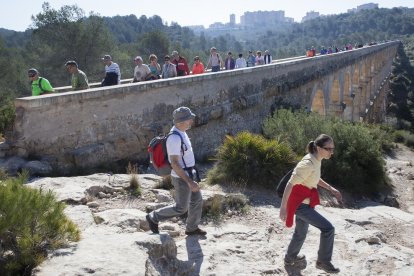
(16, 14)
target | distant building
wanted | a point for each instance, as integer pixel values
(197, 28)
(310, 15)
(368, 6)
(289, 20)
(263, 18)
(232, 19)
(217, 25)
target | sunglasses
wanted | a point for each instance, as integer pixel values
(329, 149)
(32, 75)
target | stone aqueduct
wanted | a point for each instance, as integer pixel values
(104, 125)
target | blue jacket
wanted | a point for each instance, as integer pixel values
(251, 60)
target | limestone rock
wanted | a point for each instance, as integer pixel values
(12, 165)
(113, 242)
(162, 195)
(81, 215)
(38, 168)
(127, 220)
(92, 204)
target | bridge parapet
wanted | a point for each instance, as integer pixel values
(107, 124)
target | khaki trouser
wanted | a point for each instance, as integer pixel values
(185, 200)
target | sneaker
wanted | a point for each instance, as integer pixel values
(327, 267)
(153, 226)
(292, 261)
(198, 231)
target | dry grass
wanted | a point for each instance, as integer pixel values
(134, 185)
(165, 183)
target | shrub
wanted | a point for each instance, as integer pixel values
(219, 205)
(31, 223)
(7, 113)
(295, 128)
(251, 159)
(404, 136)
(357, 165)
(384, 135)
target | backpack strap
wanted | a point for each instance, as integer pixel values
(182, 145)
(189, 170)
(40, 85)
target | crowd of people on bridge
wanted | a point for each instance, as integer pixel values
(311, 52)
(174, 65)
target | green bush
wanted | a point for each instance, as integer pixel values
(295, 128)
(357, 165)
(31, 223)
(405, 137)
(7, 111)
(252, 160)
(384, 135)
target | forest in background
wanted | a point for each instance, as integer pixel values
(68, 34)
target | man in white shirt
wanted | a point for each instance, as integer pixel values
(240, 62)
(188, 197)
(267, 57)
(112, 72)
(141, 71)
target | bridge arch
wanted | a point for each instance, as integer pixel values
(320, 98)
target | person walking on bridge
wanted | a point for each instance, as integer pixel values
(180, 64)
(39, 85)
(168, 69)
(300, 198)
(214, 61)
(79, 80)
(112, 72)
(251, 59)
(240, 62)
(267, 57)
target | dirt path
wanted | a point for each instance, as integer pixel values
(400, 168)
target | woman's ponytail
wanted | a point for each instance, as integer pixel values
(311, 148)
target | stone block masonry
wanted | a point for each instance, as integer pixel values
(85, 129)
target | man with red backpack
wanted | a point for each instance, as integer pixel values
(180, 64)
(188, 197)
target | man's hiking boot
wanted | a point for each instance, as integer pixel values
(198, 231)
(292, 261)
(327, 267)
(153, 226)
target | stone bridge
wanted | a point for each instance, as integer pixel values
(107, 125)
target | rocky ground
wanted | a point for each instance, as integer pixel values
(371, 238)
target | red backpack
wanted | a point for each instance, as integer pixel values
(157, 150)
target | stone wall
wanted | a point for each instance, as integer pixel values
(103, 125)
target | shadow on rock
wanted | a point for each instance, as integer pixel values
(194, 253)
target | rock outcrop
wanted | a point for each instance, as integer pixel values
(371, 240)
